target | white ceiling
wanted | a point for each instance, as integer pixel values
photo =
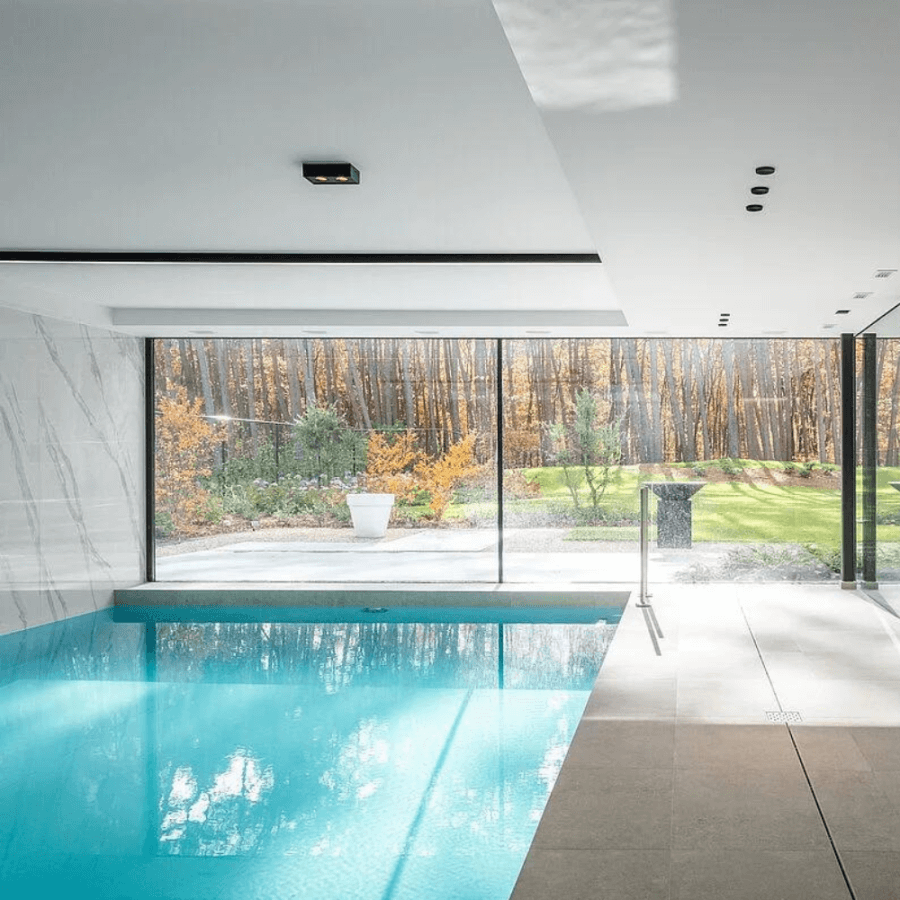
(159, 125)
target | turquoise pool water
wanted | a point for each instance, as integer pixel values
(371, 759)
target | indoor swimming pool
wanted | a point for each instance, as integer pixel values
(392, 754)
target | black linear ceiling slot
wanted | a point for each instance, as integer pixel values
(125, 257)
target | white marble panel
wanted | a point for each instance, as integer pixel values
(71, 468)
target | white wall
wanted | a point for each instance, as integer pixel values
(71, 468)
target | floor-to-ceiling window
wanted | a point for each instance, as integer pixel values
(270, 452)
(326, 460)
(738, 440)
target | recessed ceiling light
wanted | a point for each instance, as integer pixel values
(841, 312)
(723, 324)
(196, 331)
(828, 326)
(754, 207)
(861, 295)
(765, 170)
(724, 315)
(774, 332)
(427, 332)
(537, 332)
(885, 273)
(330, 173)
(313, 331)
(759, 190)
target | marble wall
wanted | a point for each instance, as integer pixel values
(71, 468)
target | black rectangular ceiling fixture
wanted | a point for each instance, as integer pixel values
(330, 173)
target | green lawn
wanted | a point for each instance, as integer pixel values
(728, 511)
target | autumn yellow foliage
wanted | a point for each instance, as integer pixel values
(390, 465)
(442, 475)
(183, 444)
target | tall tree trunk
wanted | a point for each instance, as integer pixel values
(293, 377)
(656, 427)
(675, 404)
(250, 376)
(731, 428)
(702, 401)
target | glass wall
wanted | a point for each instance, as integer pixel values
(738, 440)
(272, 454)
(326, 460)
(884, 489)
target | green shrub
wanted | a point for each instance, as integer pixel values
(163, 524)
(236, 501)
(326, 447)
(731, 467)
(213, 509)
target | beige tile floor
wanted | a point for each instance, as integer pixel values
(678, 785)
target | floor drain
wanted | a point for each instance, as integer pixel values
(788, 716)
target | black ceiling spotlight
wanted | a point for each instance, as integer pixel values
(754, 207)
(765, 170)
(842, 312)
(330, 173)
(759, 190)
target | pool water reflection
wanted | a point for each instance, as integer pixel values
(283, 760)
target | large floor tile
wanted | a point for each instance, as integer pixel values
(873, 876)
(734, 747)
(756, 875)
(589, 875)
(880, 746)
(770, 810)
(650, 698)
(599, 809)
(845, 700)
(859, 814)
(619, 743)
(725, 697)
(828, 748)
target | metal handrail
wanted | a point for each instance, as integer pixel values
(645, 541)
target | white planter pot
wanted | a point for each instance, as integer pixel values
(370, 514)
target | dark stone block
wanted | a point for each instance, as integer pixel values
(673, 519)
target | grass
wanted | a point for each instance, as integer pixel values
(731, 511)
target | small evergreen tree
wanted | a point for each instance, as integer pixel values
(587, 450)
